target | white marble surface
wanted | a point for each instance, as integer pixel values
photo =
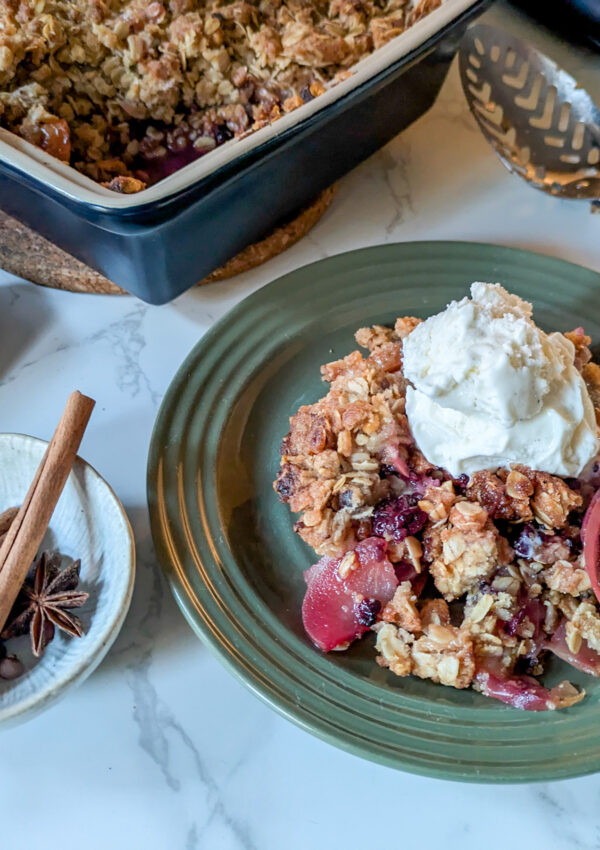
(161, 748)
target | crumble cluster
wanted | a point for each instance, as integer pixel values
(117, 87)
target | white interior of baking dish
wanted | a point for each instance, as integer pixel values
(67, 181)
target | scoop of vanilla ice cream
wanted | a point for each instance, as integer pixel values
(490, 389)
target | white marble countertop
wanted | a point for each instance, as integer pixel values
(161, 747)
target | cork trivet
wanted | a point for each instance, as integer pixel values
(25, 253)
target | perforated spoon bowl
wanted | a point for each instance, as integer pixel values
(541, 123)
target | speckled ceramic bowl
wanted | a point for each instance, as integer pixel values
(88, 523)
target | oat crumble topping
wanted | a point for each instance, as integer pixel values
(127, 91)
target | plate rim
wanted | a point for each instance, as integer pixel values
(197, 616)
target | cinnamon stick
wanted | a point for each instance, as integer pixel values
(6, 519)
(27, 530)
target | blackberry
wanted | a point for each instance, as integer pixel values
(397, 518)
(367, 611)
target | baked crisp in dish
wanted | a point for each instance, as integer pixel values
(128, 91)
(470, 579)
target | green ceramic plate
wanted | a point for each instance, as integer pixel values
(227, 544)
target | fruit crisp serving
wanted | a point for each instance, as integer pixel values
(469, 579)
(128, 91)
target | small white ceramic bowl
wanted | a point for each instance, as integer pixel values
(89, 523)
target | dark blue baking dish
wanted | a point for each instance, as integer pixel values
(159, 249)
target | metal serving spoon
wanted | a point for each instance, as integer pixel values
(542, 125)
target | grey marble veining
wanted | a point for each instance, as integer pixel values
(161, 747)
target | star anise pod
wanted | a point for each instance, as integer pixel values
(43, 603)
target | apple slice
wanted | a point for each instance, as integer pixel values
(590, 536)
(526, 693)
(337, 609)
